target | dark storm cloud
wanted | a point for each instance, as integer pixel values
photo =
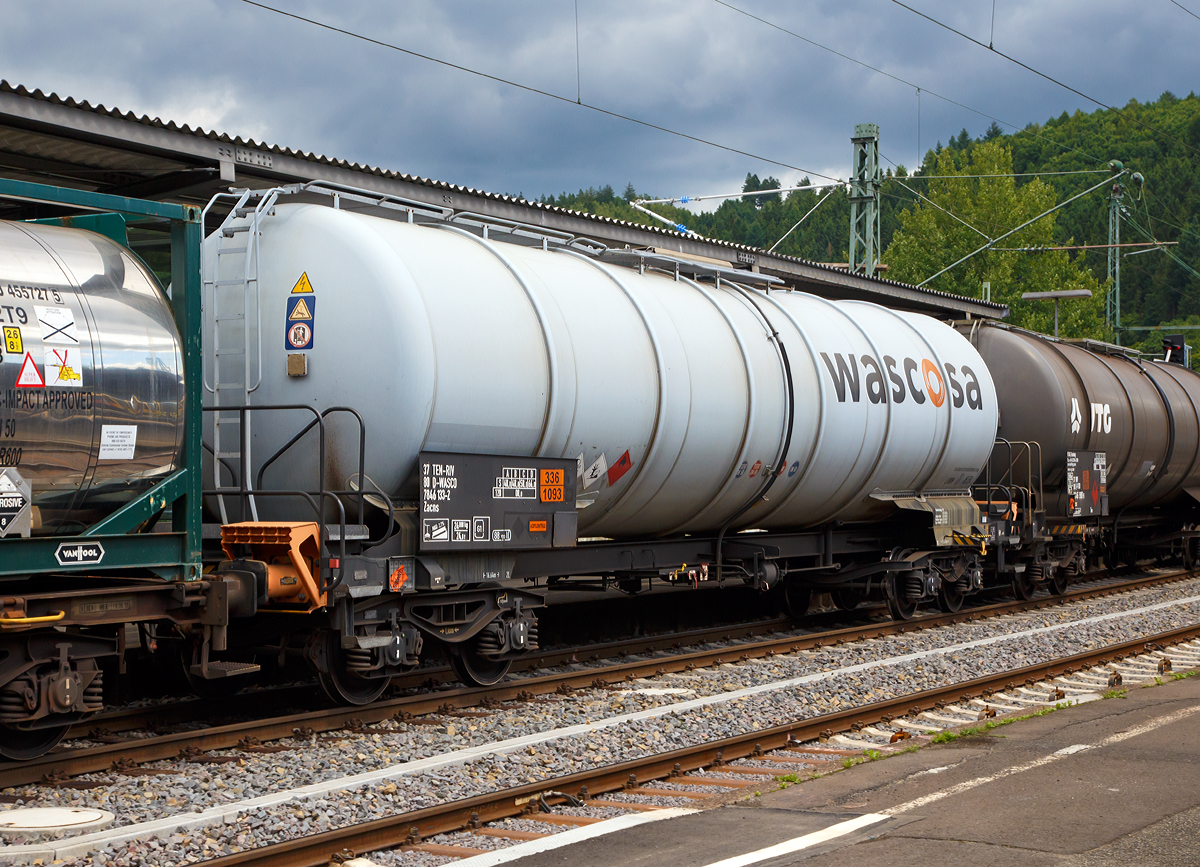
(691, 65)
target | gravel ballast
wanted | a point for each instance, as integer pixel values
(843, 676)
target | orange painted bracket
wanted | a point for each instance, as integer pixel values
(292, 552)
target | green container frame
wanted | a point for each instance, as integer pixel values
(174, 555)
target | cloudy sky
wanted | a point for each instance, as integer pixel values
(699, 67)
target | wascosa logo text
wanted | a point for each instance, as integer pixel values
(908, 378)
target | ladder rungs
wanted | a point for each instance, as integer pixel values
(235, 282)
(222, 250)
(228, 233)
(236, 317)
(219, 353)
(229, 454)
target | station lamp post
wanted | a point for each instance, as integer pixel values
(1056, 295)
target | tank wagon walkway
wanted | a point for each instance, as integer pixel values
(1111, 782)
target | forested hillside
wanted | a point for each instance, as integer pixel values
(1160, 140)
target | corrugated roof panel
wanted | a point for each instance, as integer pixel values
(237, 141)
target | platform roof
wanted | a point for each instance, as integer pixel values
(59, 140)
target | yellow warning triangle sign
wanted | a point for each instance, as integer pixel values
(302, 285)
(300, 312)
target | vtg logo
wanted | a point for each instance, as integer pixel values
(844, 371)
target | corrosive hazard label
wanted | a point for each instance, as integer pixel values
(595, 472)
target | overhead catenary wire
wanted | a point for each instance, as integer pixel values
(943, 210)
(898, 180)
(1188, 11)
(678, 227)
(905, 82)
(1041, 74)
(739, 195)
(1150, 237)
(1147, 195)
(1150, 244)
(579, 73)
(820, 201)
(530, 89)
(686, 199)
(1012, 232)
(1009, 175)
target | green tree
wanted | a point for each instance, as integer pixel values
(972, 211)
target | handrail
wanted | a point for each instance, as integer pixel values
(362, 468)
(241, 409)
(1026, 449)
(362, 443)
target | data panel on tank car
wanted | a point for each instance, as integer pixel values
(484, 502)
(1087, 484)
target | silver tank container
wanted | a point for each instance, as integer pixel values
(1144, 415)
(446, 341)
(91, 375)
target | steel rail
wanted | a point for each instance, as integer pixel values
(171, 746)
(192, 709)
(189, 710)
(316, 850)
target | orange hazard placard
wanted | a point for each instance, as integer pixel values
(398, 578)
(553, 485)
(538, 526)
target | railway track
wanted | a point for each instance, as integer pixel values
(451, 788)
(916, 711)
(252, 703)
(429, 677)
(123, 755)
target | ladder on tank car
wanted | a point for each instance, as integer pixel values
(233, 325)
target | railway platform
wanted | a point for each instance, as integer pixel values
(1109, 782)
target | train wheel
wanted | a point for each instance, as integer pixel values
(898, 606)
(796, 598)
(950, 597)
(1058, 581)
(1024, 584)
(21, 745)
(474, 669)
(845, 598)
(340, 683)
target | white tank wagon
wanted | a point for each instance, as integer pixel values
(680, 399)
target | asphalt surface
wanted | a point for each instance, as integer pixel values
(1112, 782)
